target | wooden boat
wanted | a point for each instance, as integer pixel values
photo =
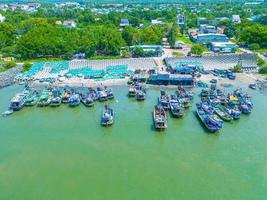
(107, 118)
(164, 100)
(74, 100)
(159, 117)
(87, 100)
(223, 114)
(177, 109)
(18, 102)
(210, 121)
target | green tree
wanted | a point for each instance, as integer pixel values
(197, 49)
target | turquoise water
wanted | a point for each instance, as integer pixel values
(64, 154)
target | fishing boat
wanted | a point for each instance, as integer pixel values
(56, 98)
(74, 100)
(87, 100)
(102, 95)
(159, 117)
(210, 121)
(204, 93)
(107, 116)
(234, 112)
(45, 98)
(109, 93)
(31, 98)
(176, 108)
(182, 93)
(164, 100)
(131, 91)
(245, 108)
(93, 93)
(140, 95)
(65, 96)
(18, 102)
(223, 114)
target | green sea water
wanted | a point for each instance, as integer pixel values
(64, 154)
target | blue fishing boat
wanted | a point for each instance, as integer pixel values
(109, 92)
(164, 100)
(74, 100)
(159, 117)
(206, 116)
(140, 95)
(177, 110)
(87, 99)
(107, 118)
(93, 93)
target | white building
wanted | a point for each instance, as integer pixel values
(236, 19)
(69, 23)
(2, 18)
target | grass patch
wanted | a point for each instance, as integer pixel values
(260, 51)
(238, 50)
(104, 57)
(178, 54)
(183, 38)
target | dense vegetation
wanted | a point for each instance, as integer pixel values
(29, 36)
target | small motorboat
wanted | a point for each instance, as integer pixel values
(107, 118)
(252, 86)
(8, 112)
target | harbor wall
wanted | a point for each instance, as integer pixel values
(8, 77)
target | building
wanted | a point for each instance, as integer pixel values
(223, 47)
(236, 19)
(69, 23)
(210, 37)
(124, 23)
(203, 28)
(180, 19)
(171, 79)
(2, 18)
(202, 20)
(155, 22)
